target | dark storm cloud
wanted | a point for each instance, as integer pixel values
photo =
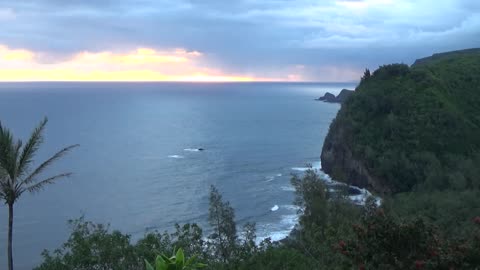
(260, 37)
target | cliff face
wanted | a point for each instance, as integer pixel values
(409, 126)
(341, 164)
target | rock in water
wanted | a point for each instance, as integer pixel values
(329, 97)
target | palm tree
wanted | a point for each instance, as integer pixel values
(16, 174)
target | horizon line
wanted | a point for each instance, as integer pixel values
(200, 81)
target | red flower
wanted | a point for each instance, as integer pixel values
(342, 244)
(361, 267)
(419, 264)
(477, 220)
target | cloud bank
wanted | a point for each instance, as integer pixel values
(331, 40)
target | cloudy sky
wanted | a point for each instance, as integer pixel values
(302, 40)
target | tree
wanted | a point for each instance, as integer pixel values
(16, 176)
(92, 246)
(366, 75)
(221, 217)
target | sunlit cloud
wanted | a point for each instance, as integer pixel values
(141, 64)
(15, 54)
(140, 56)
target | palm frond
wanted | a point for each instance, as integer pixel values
(3, 187)
(32, 145)
(7, 152)
(39, 186)
(31, 178)
(16, 152)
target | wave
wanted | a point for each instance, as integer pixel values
(272, 177)
(280, 230)
(191, 149)
(317, 165)
(291, 207)
(289, 221)
(287, 188)
(176, 156)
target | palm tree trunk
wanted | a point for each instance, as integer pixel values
(10, 229)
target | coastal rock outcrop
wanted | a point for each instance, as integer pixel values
(328, 97)
(340, 98)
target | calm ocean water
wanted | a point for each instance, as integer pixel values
(137, 169)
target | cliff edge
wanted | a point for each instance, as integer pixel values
(406, 127)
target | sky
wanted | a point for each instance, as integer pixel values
(221, 40)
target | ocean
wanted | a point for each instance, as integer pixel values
(138, 167)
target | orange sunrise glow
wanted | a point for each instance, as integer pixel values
(141, 64)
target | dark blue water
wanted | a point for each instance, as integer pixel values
(134, 169)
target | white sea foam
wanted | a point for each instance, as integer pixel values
(291, 207)
(175, 156)
(277, 235)
(272, 177)
(289, 221)
(287, 188)
(315, 166)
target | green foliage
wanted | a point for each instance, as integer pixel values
(366, 76)
(332, 234)
(224, 236)
(16, 159)
(176, 262)
(382, 242)
(450, 211)
(153, 244)
(17, 175)
(279, 257)
(92, 246)
(418, 127)
(325, 217)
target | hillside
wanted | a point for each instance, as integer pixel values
(410, 128)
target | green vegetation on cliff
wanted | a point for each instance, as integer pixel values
(411, 128)
(412, 134)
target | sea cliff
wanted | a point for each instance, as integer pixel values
(408, 126)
